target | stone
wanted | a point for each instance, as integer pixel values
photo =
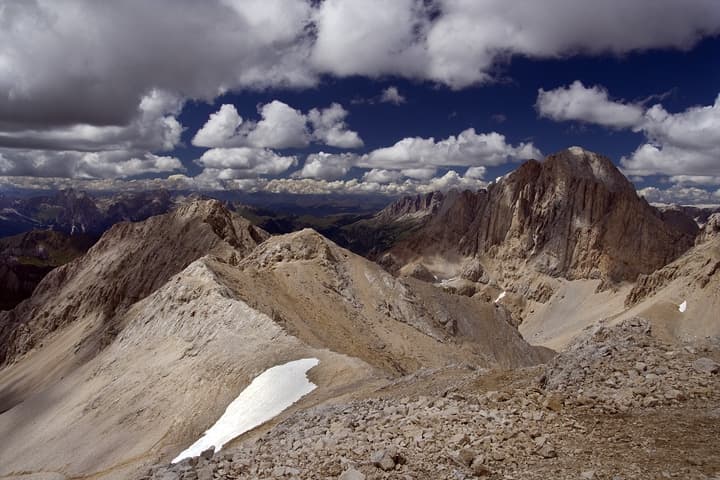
(588, 475)
(547, 451)
(205, 473)
(351, 474)
(466, 456)
(383, 459)
(553, 402)
(459, 439)
(706, 365)
(479, 469)
(498, 455)
(207, 454)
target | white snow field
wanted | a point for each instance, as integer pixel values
(500, 297)
(268, 395)
(683, 306)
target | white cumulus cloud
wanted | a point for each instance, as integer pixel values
(326, 166)
(329, 127)
(280, 126)
(74, 164)
(684, 143)
(392, 95)
(243, 162)
(476, 172)
(680, 195)
(468, 148)
(676, 144)
(587, 104)
(220, 129)
(91, 77)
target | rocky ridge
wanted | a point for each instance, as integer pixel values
(330, 297)
(138, 257)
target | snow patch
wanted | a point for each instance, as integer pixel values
(500, 297)
(683, 306)
(268, 395)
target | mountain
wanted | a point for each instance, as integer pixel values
(700, 214)
(68, 211)
(128, 263)
(57, 228)
(27, 257)
(372, 236)
(574, 215)
(131, 351)
(76, 212)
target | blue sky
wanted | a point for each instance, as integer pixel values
(676, 79)
(345, 96)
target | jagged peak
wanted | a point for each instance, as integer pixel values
(578, 150)
(575, 162)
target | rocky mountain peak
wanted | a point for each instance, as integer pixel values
(576, 162)
(573, 215)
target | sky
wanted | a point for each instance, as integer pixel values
(356, 96)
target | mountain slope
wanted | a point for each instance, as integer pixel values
(329, 297)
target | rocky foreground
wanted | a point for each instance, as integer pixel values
(618, 404)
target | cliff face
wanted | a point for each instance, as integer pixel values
(415, 206)
(574, 215)
(699, 267)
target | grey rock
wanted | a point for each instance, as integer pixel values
(479, 468)
(384, 459)
(706, 365)
(547, 451)
(205, 473)
(207, 454)
(466, 456)
(351, 474)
